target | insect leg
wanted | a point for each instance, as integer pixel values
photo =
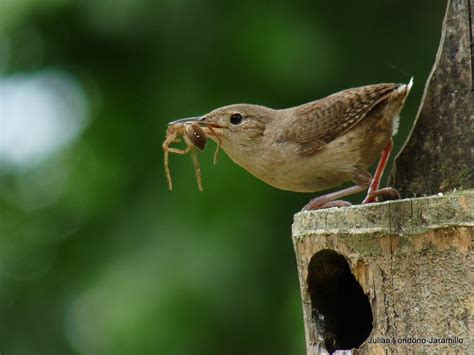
(197, 167)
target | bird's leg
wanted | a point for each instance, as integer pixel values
(360, 176)
(374, 190)
(328, 200)
(331, 199)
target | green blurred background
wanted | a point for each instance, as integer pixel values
(96, 255)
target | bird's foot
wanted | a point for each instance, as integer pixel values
(320, 203)
(387, 193)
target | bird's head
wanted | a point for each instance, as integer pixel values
(236, 127)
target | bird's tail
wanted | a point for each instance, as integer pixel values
(397, 101)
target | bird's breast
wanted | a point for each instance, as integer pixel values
(283, 167)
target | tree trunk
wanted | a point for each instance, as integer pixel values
(439, 154)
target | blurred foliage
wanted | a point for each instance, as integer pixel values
(96, 256)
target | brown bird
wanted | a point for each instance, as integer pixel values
(317, 145)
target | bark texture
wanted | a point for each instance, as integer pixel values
(392, 277)
(439, 154)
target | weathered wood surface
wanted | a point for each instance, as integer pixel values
(439, 155)
(413, 260)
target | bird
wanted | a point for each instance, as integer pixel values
(317, 145)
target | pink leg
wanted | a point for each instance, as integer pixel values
(327, 201)
(374, 190)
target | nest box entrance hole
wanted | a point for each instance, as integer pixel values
(340, 309)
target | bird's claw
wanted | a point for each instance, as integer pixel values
(385, 194)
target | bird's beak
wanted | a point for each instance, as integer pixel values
(188, 120)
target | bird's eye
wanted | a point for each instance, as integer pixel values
(236, 118)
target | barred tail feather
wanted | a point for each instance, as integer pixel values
(402, 92)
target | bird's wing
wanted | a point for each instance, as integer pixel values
(317, 123)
